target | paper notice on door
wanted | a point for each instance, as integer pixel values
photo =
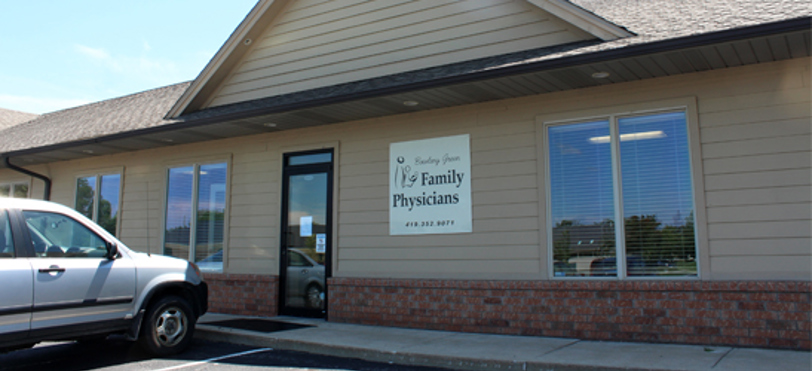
(305, 226)
(321, 243)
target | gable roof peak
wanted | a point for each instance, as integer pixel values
(235, 47)
(267, 14)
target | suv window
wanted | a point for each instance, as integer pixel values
(6, 243)
(297, 260)
(56, 235)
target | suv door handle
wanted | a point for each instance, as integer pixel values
(52, 269)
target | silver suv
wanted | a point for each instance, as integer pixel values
(63, 277)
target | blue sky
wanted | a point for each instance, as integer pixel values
(60, 54)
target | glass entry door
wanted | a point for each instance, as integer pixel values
(306, 233)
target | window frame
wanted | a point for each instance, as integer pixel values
(13, 183)
(97, 175)
(8, 233)
(196, 164)
(612, 115)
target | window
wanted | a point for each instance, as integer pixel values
(297, 260)
(58, 236)
(6, 243)
(308, 159)
(633, 169)
(195, 214)
(97, 197)
(14, 190)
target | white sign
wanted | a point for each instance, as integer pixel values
(305, 226)
(321, 243)
(430, 186)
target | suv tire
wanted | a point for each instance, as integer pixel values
(168, 326)
(313, 296)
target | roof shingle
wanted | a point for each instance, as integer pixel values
(663, 19)
(132, 112)
(9, 118)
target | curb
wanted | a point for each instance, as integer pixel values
(229, 335)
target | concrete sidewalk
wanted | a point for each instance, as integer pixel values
(463, 351)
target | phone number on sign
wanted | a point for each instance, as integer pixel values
(430, 223)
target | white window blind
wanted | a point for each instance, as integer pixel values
(635, 169)
(657, 195)
(582, 199)
(210, 215)
(178, 222)
(195, 214)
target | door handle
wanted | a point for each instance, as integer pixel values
(52, 269)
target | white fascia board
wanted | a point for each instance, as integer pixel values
(582, 19)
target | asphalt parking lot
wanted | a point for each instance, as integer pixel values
(119, 355)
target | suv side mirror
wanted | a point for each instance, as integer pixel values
(112, 251)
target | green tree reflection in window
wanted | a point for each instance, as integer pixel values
(97, 197)
(623, 178)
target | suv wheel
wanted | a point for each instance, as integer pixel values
(168, 326)
(313, 296)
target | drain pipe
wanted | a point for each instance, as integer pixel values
(47, 195)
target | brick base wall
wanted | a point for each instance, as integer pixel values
(243, 294)
(757, 314)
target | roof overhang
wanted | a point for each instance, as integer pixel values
(385, 96)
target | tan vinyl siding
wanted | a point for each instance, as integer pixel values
(316, 44)
(754, 136)
(505, 216)
(757, 163)
(780, 267)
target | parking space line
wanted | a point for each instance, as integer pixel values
(215, 359)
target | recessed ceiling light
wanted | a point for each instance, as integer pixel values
(410, 103)
(247, 41)
(600, 75)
